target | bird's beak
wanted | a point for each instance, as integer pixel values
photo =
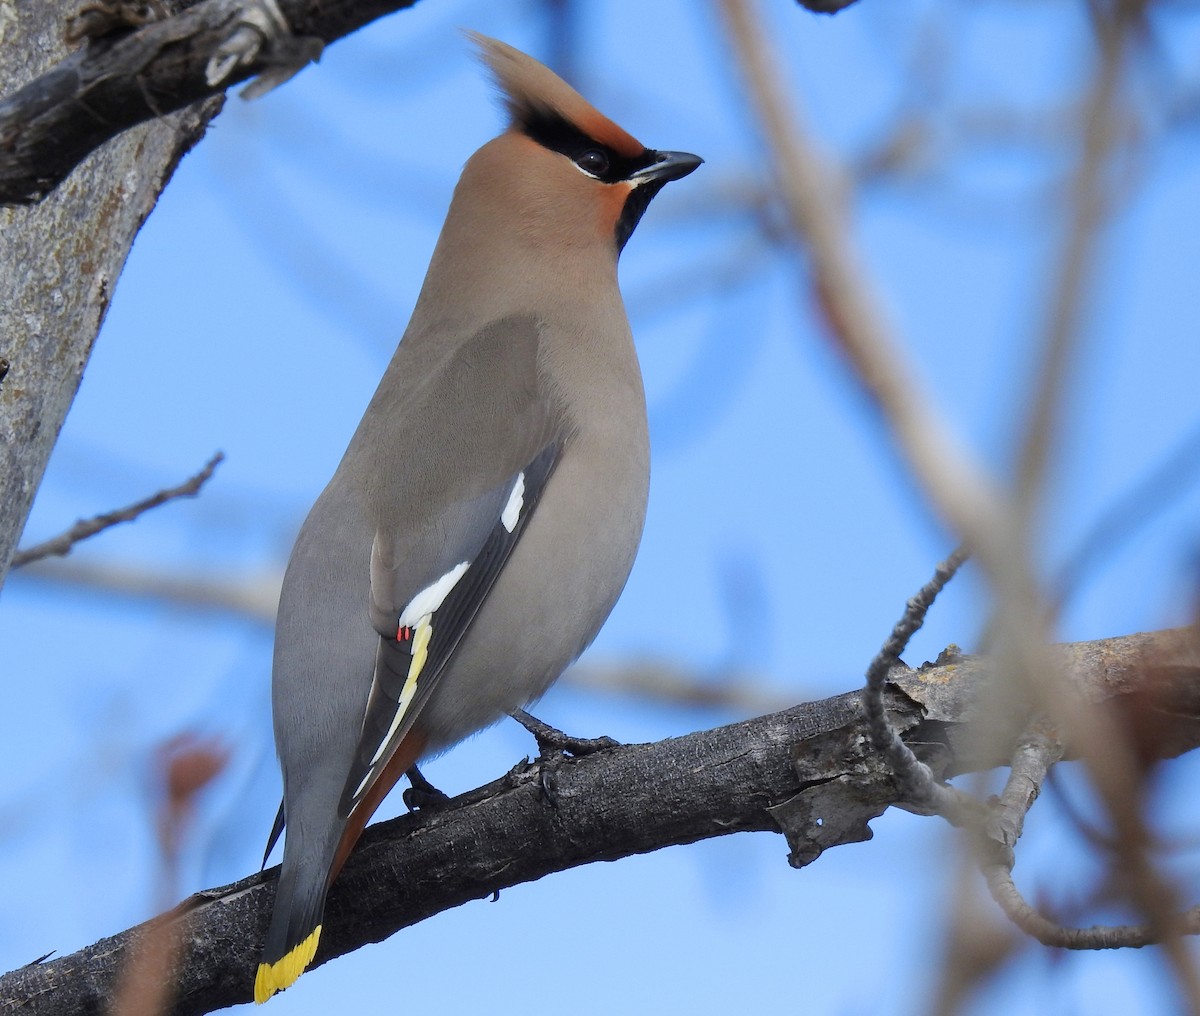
(667, 166)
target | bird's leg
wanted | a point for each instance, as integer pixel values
(551, 740)
(421, 794)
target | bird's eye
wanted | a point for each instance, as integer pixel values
(593, 161)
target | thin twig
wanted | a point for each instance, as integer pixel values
(62, 544)
(916, 780)
(1032, 759)
(972, 938)
(1051, 933)
(1036, 753)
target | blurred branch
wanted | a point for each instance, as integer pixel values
(1087, 204)
(1131, 511)
(1110, 757)
(185, 765)
(1037, 752)
(995, 527)
(809, 770)
(255, 599)
(121, 79)
(252, 598)
(673, 685)
(61, 545)
(969, 501)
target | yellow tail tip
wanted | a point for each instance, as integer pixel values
(273, 977)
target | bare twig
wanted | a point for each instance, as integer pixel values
(61, 545)
(1034, 756)
(1051, 933)
(1035, 753)
(916, 778)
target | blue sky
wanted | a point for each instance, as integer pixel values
(263, 299)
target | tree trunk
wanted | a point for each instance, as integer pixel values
(60, 259)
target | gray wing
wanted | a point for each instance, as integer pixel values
(421, 636)
(457, 461)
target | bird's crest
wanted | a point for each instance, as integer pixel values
(531, 91)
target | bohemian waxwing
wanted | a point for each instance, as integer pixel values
(485, 517)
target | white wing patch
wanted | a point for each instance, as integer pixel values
(516, 501)
(431, 597)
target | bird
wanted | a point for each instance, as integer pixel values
(486, 514)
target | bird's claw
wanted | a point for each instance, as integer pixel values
(552, 741)
(421, 794)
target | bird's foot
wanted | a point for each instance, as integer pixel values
(552, 741)
(421, 794)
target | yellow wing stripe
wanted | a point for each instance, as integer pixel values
(273, 977)
(420, 653)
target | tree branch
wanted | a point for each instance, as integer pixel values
(809, 770)
(825, 6)
(60, 546)
(126, 78)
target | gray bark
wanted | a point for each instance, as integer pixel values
(60, 260)
(54, 118)
(809, 771)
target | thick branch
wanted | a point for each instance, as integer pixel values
(120, 80)
(808, 770)
(825, 6)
